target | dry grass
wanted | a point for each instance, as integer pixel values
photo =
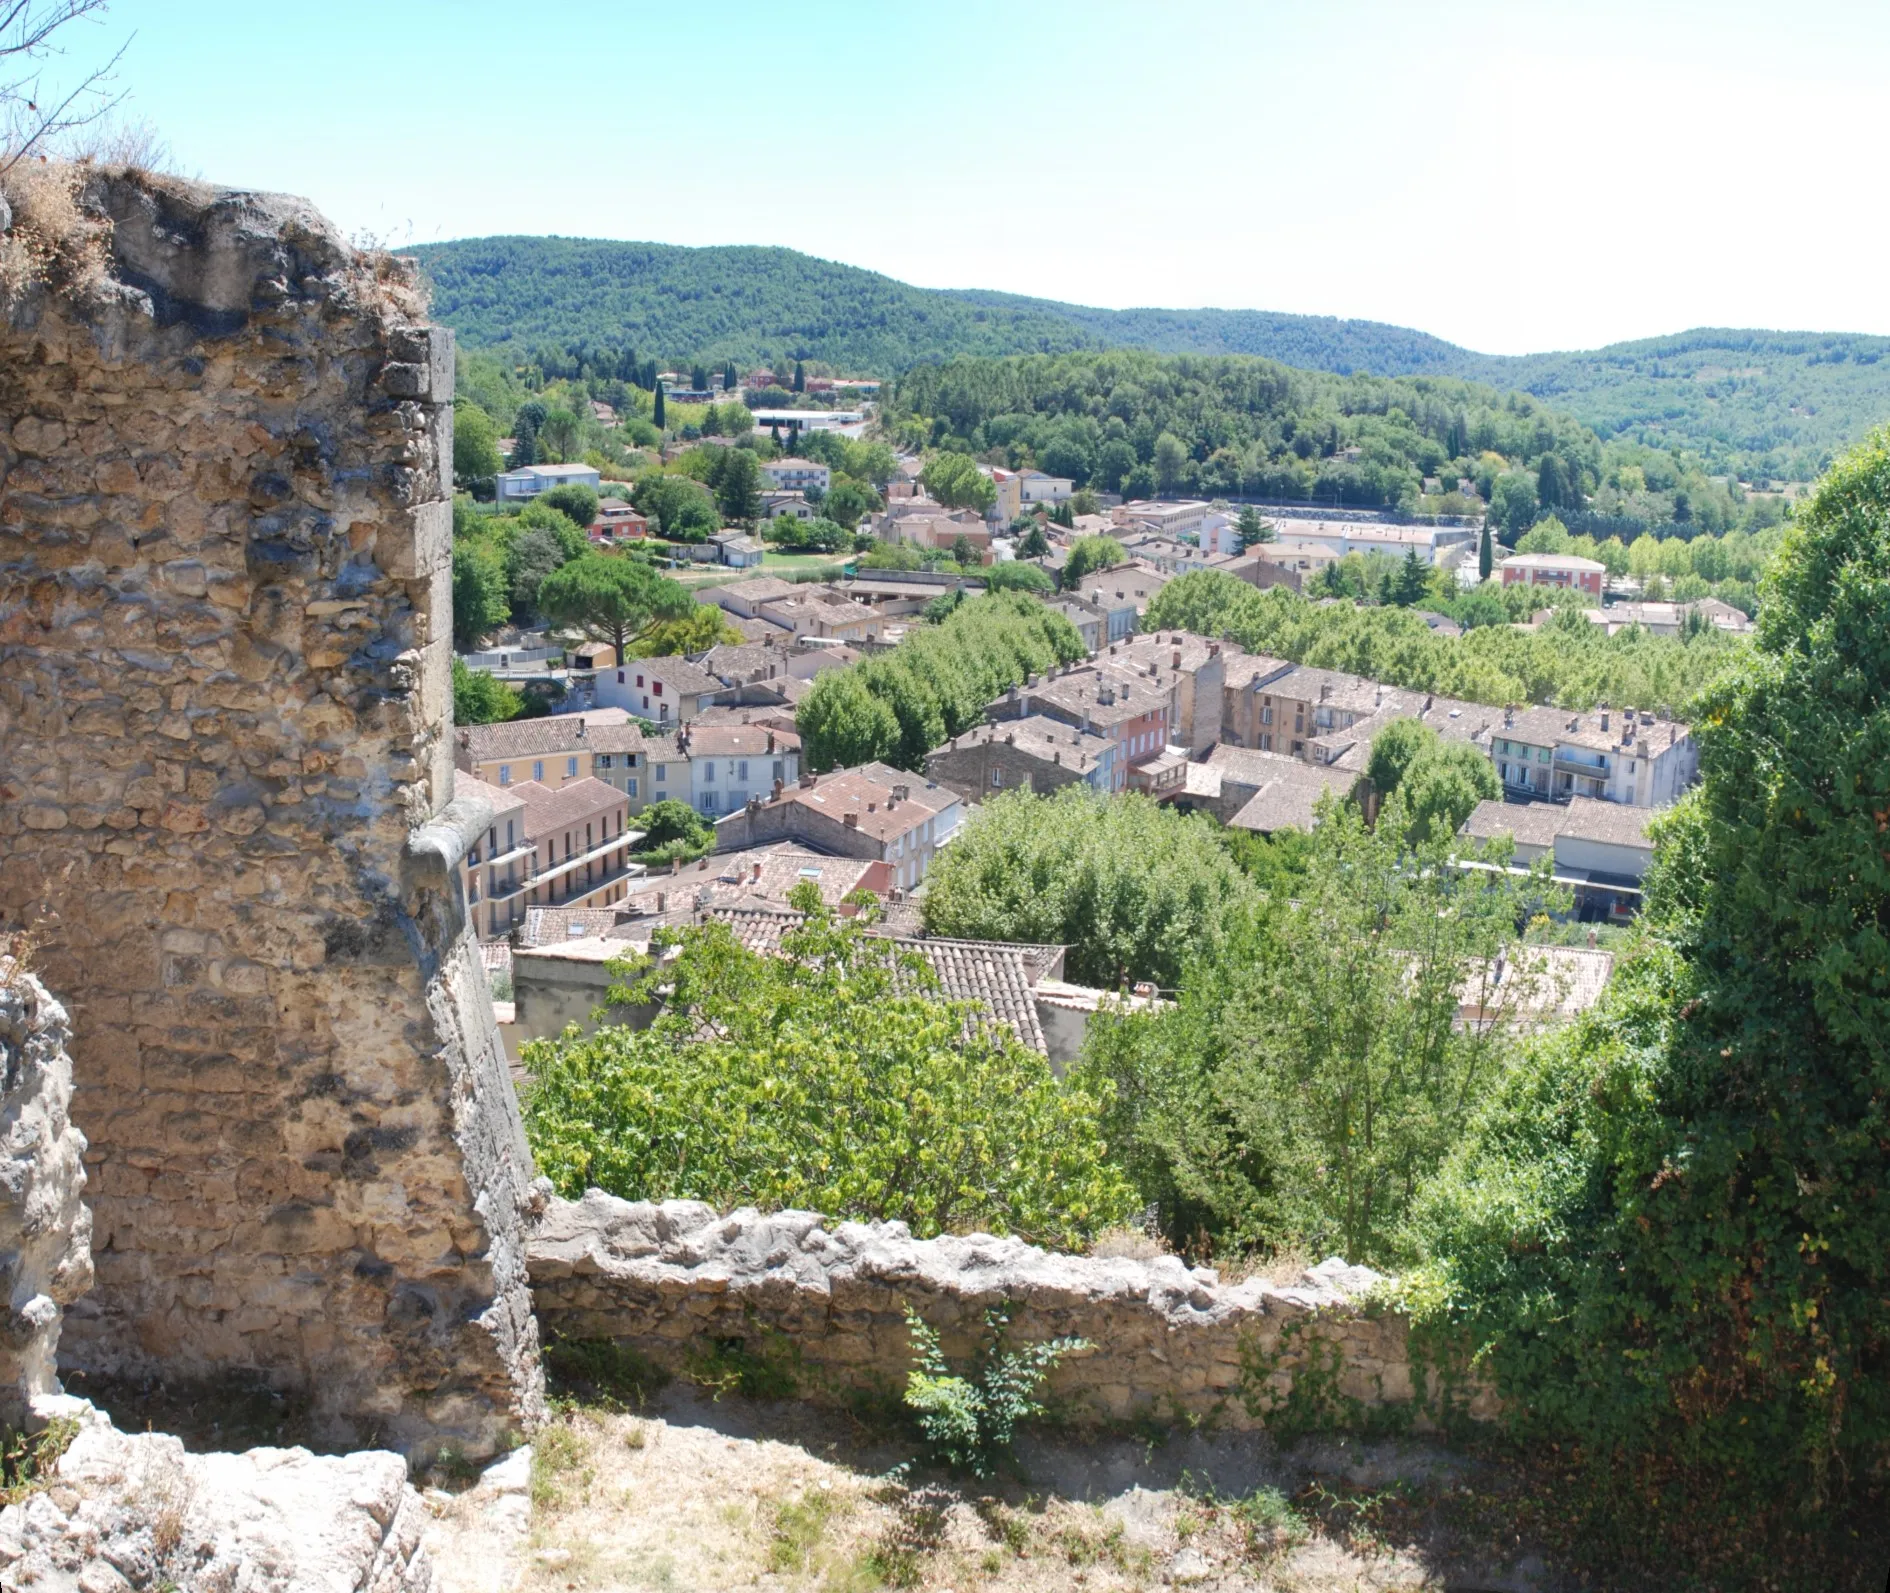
(54, 241)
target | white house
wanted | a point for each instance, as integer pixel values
(797, 475)
(1039, 487)
(1626, 757)
(664, 691)
(529, 480)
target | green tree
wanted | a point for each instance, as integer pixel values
(848, 502)
(1442, 789)
(963, 552)
(1012, 575)
(703, 627)
(611, 598)
(1394, 750)
(738, 484)
(658, 409)
(1513, 504)
(481, 699)
(800, 377)
(1486, 555)
(699, 378)
(562, 433)
(1671, 1230)
(1089, 554)
(1251, 527)
(833, 1077)
(1545, 536)
(1412, 584)
(1170, 462)
(481, 602)
(673, 831)
(534, 554)
(683, 510)
(955, 480)
(1133, 888)
(475, 444)
(1033, 544)
(577, 504)
(1315, 1070)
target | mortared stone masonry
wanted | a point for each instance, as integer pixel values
(226, 799)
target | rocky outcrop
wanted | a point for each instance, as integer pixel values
(133, 1510)
(45, 1226)
(225, 729)
(827, 1304)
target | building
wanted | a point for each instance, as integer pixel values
(1136, 717)
(1036, 486)
(665, 691)
(793, 420)
(1259, 569)
(566, 846)
(1555, 569)
(1671, 619)
(787, 505)
(874, 811)
(1034, 753)
(1249, 713)
(497, 865)
(1007, 502)
(602, 744)
(1090, 621)
(744, 598)
(797, 475)
(1171, 520)
(738, 550)
(617, 521)
(1550, 754)
(514, 486)
(1260, 791)
(727, 764)
(1600, 851)
(1191, 667)
(1391, 540)
(1123, 594)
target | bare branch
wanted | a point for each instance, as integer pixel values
(27, 30)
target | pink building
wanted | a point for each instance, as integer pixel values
(1555, 569)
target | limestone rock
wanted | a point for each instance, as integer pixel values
(133, 1510)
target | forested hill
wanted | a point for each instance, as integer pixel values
(1765, 403)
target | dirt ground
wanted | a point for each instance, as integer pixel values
(695, 1493)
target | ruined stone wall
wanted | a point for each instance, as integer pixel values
(1167, 1342)
(226, 784)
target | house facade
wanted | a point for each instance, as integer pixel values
(665, 691)
(1549, 754)
(515, 486)
(797, 475)
(1035, 753)
(1555, 569)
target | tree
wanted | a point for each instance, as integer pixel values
(475, 444)
(1064, 515)
(1545, 536)
(962, 550)
(683, 510)
(561, 433)
(1412, 583)
(611, 598)
(1132, 888)
(1013, 575)
(1513, 504)
(800, 377)
(1442, 789)
(1089, 554)
(832, 1077)
(1314, 1070)
(848, 502)
(703, 627)
(1394, 750)
(1691, 1191)
(731, 383)
(1084, 501)
(1486, 555)
(534, 554)
(673, 831)
(1170, 461)
(480, 698)
(480, 593)
(1251, 527)
(577, 504)
(738, 483)
(955, 480)
(1033, 544)
(699, 378)
(657, 409)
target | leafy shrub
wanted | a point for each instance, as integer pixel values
(577, 504)
(969, 1422)
(830, 1078)
(673, 830)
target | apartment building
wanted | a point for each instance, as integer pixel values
(1038, 486)
(1165, 519)
(1123, 594)
(1191, 667)
(1555, 569)
(1089, 620)
(1641, 759)
(1035, 753)
(1134, 716)
(566, 846)
(797, 475)
(874, 811)
(729, 763)
(603, 744)
(515, 486)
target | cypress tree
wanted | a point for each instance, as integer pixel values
(1486, 556)
(656, 413)
(800, 377)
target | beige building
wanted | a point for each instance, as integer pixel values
(874, 811)
(566, 846)
(603, 744)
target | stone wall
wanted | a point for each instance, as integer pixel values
(226, 798)
(1167, 1341)
(45, 1225)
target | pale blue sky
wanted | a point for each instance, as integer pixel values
(1507, 174)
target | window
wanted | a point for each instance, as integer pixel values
(639, 680)
(587, 837)
(708, 772)
(603, 762)
(997, 778)
(570, 768)
(620, 677)
(508, 834)
(632, 785)
(505, 774)
(777, 769)
(662, 773)
(742, 771)
(538, 769)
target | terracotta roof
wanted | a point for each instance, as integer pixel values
(1530, 823)
(1614, 823)
(866, 793)
(528, 738)
(548, 809)
(739, 741)
(681, 676)
(991, 973)
(1288, 798)
(1036, 736)
(1080, 692)
(504, 799)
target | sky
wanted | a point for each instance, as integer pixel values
(1513, 175)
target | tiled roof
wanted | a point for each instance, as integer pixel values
(995, 975)
(1534, 985)
(1125, 584)
(529, 738)
(1554, 561)
(866, 792)
(1288, 798)
(1243, 669)
(548, 809)
(1614, 823)
(1531, 823)
(1548, 727)
(739, 741)
(1037, 736)
(1079, 693)
(678, 674)
(504, 799)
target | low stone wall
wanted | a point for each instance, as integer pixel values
(674, 1281)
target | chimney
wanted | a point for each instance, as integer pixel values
(756, 876)
(1010, 738)
(809, 780)
(1177, 659)
(771, 741)
(1325, 691)
(851, 821)
(1056, 757)
(662, 901)
(675, 865)
(777, 792)
(1604, 719)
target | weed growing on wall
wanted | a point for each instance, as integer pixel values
(969, 1422)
